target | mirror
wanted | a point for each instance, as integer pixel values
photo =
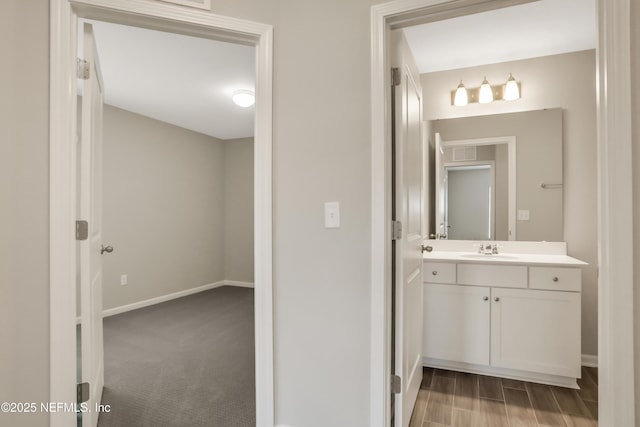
(498, 177)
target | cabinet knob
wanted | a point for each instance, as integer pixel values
(497, 299)
(434, 272)
(555, 279)
(485, 298)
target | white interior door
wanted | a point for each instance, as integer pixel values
(91, 211)
(470, 202)
(441, 185)
(408, 210)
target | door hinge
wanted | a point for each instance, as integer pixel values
(82, 392)
(396, 230)
(83, 69)
(396, 77)
(82, 230)
(396, 384)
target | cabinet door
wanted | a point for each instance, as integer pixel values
(536, 331)
(456, 323)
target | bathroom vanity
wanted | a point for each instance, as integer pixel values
(514, 314)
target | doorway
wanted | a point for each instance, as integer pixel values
(613, 25)
(470, 202)
(177, 210)
(65, 15)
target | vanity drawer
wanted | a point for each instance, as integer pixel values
(439, 272)
(555, 278)
(506, 276)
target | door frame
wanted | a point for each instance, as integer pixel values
(62, 212)
(510, 141)
(614, 186)
(467, 165)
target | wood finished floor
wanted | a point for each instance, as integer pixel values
(457, 399)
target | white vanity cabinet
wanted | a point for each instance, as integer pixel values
(517, 321)
(457, 326)
(536, 331)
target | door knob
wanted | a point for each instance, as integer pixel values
(497, 299)
(485, 298)
(108, 249)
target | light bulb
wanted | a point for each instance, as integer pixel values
(486, 93)
(511, 89)
(461, 97)
(244, 98)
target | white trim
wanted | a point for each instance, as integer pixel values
(380, 376)
(590, 360)
(514, 374)
(238, 284)
(615, 214)
(163, 17)
(615, 217)
(206, 4)
(160, 299)
(171, 296)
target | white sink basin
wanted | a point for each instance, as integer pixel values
(488, 257)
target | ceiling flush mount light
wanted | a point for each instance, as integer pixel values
(511, 89)
(486, 93)
(461, 97)
(244, 98)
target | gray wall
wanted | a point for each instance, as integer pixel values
(24, 207)
(166, 191)
(560, 81)
(321, 153)
(238, 210)
(538, 159)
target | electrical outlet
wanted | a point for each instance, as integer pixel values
(124, 280)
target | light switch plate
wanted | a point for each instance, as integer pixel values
(332, 215)
(523, 215)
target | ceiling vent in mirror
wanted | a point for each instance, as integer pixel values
(463, 154)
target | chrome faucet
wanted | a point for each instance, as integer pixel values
(488, 249)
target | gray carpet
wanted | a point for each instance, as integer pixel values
(183, 363)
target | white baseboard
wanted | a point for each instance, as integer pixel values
(239, 284)
(169, 297)
(590, 360)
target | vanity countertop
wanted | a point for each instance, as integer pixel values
(504, 258)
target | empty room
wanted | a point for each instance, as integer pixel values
(171, 156)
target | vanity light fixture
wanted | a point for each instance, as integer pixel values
(461, 97)
(511, 89)
(244, 98)
(486, 93)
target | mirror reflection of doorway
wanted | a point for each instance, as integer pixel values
(470, 202)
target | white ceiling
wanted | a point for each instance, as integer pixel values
(188, 81)
(182, 80)
(540, 28)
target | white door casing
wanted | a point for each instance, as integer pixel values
(440, 193)
(615, 307)
(91, 211)
(408, 210)
(160, 16)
